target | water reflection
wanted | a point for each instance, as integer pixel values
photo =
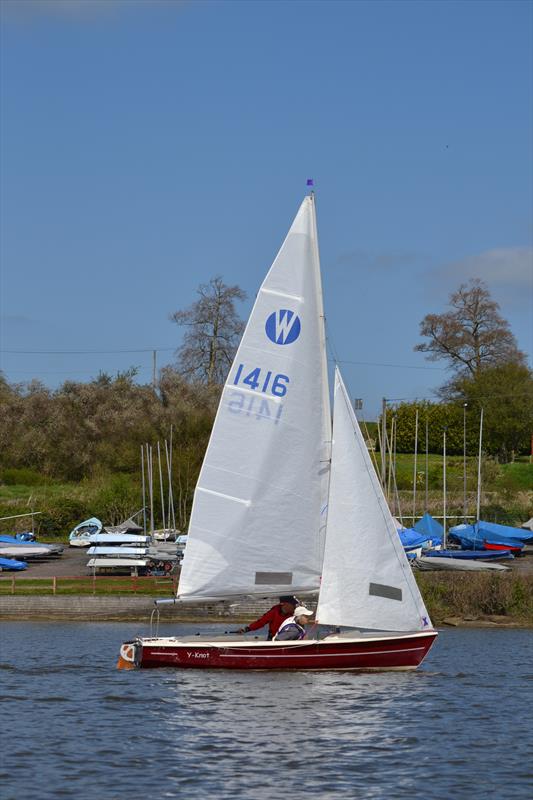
(95, 732)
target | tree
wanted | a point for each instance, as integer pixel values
(472, 335)
(214, 330)
(505, 392)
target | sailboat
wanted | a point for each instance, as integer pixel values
(286, 503)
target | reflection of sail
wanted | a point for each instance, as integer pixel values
(345, 715)
(255, 523)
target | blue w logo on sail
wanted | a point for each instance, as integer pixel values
(283, 326)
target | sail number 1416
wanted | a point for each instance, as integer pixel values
(262, 381)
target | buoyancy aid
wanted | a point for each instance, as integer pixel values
(290, 621)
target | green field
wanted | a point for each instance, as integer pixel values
(18, 584)
(507, 495)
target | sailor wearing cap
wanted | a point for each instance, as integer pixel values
(294, 627)
(274, 616)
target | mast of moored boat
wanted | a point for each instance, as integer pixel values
(478, 504)
(143, 490)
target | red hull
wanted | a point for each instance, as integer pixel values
(383, 652)
(514, 550)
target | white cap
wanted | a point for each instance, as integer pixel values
(302, 611)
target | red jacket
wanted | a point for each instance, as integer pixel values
(273, 617)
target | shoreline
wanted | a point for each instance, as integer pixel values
(88, 608)
(452, 598)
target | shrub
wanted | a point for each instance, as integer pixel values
(22, 476)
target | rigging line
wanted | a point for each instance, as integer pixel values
(85, 352)
(329, 341)
(379, 364)
(372, 452)
(392, 457)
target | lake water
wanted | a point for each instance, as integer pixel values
(74, 727)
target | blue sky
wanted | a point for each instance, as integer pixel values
(148, 146)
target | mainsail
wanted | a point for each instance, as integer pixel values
(366, 579)
(256, 520)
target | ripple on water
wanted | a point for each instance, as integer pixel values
(163, 733)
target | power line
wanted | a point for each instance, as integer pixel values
(172, 349)
(84, 352)
(378, 364)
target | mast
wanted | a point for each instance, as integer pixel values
(444, 488)
(464, 462)
(149, 461)
(143, 489)
(326, 408)
(161, 485)
(478, 505)
(427, 464)
(414, 468)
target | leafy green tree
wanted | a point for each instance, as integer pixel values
(505, 393)
(438, 416)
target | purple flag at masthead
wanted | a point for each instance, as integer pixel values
(310, 182)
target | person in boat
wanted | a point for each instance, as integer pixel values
(294, 627)
(275, 616)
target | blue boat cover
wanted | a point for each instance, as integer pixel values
(411, 538)
(6, 539)
(17, 538)
(25, 536)
(429, 526)
(493, 529)
(11, 563)
(473, 537)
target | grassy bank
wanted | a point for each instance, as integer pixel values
(507, 496)
(476, 596)
(100, 585)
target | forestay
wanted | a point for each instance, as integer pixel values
(366, 580)
(255, 522)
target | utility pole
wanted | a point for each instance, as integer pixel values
(154, 370)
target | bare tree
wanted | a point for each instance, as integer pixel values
(213, 332)
(472, 335)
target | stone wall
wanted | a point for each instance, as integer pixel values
(91, 608)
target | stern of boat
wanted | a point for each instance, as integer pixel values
(130, 655)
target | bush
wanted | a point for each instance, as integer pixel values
(61, 516)
(22, 476)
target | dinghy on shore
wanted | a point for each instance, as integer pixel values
(490, 536)
(12, 547)
(462, 565)
(11, 564)
(470, 555)
(79, 536)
